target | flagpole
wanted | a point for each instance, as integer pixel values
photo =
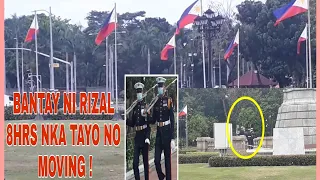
(107, 65)
(181, 73)
(175, 58)
(203, 55)
(17, 63)
(37, 68)
(307, 64)
(67, 73)
(75, 72)
(239, 62)
(219, 71)
(187, 139)
(148, 60)
(309, 42)
(51, 53)
(228, 72)
(116, 57)
(71, 76)
(22, 71)
(111, 72)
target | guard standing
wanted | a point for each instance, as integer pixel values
(139, 121)
(250, 137)
(163, 115)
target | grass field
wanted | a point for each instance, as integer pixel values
(203, 171)
(108, 162)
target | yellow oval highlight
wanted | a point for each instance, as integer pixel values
(227, 127)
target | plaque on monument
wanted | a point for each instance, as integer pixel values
(288, 141)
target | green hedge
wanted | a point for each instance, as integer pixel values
(203, 153)
(195, 158)
(184, 151)
(60, 116)
(289, 160)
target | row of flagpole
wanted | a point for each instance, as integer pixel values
(172, 43)
(305, 35)
(109, 64)
(294, 8)
(32, 35)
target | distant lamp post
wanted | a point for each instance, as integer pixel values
(191, 55)
(209, 24)
(184, 75)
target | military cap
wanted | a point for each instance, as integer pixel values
(139, 85)
(161, 80)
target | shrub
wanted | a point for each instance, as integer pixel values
(60, 116)
(184, 151)
(289, 160)
(202, 157)
(203, 153)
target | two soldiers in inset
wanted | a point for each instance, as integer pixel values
(163, 117)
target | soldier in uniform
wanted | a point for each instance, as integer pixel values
(250, 136)
(139, 120)
(163, 116)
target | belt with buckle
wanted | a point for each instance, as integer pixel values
(161, 124)
(139, 128)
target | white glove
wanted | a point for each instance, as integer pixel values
(172, 145)
(143, 113)
(147, 141)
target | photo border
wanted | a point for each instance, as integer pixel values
(2, 59)
(317, 92)
(2, 89)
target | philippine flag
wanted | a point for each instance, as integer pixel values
(189, 15)
(232, 45)
(295, 7)
(168, 48)
(107, 28)
(303, 37)
(183, 112)
(32, 30)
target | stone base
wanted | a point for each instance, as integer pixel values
(299, 110)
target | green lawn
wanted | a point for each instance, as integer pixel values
(108, 162)
(203, 171)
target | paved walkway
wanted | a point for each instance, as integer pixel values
(153, 173)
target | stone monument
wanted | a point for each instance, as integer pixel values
(299, 110)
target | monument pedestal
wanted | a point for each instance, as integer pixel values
(299, 110)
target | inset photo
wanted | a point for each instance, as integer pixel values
(247, 133)
(151, 118)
